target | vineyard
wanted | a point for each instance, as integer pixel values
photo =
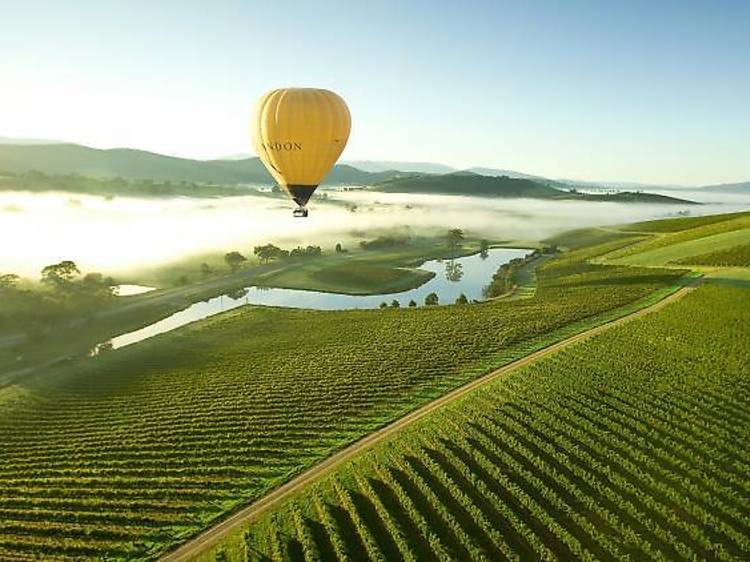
(633, 445)
(139, 449)
(682, 223)
(738, 256)
(707, 234)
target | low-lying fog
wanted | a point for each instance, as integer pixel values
(117, 235)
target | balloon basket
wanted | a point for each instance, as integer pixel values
(300, 212)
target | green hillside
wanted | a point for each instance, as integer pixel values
(566, 459)
(56, 159)
(137, 449)
(469, 183)
(672, 243)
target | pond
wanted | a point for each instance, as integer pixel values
(468, 275)
(130, 290)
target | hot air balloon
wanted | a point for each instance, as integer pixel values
(299, 133)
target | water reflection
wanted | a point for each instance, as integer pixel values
(237, 294)
(454, 271)
(468, 275)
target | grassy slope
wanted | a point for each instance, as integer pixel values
(595, 453)
(681, 223)
(171, 433)
(580, 238)
(394, 269)
(681, 252)
(672, 236)
(737, 256)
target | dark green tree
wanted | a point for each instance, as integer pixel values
(9, 281)
(60, 275)
(462, 299)
(234, 260)
(395, 304)
(412, 303)
(431, 299)
(455, 238)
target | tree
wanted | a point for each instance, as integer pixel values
(395, 304)
(462, 299)
(60, 275)
(234, 260)
(269, 252)
(455, 237)
(412, 303)
(95, 285)
(309, 252)
(431, 299)
(9, 281)
(484, 246)
(383, 305)
(339, 249)
(206, 269)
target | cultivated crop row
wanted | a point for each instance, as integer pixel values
(595, 453)
(143, 447)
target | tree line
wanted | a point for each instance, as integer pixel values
(63, 294)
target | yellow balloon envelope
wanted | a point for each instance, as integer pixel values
(299, 133)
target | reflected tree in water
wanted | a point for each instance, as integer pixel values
(237, 294)
(484, 247)
(454, 271)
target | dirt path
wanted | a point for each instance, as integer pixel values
(215, 534)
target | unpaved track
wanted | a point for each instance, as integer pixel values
(213, 535)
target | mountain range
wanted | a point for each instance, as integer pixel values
(135, 164)
(19, 156)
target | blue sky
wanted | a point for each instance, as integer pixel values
(643, 91)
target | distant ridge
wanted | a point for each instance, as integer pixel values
(741, 187)
(476, 185)
(128, 163)
(494, 172)
(375, 166)
(60, 158)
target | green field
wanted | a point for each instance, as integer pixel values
(595, 453)
(180, 284)
(676, 243)
(682, 252)
(136, 450)
(584, 237)
(681, 223)
(586, 455)
(735, 256)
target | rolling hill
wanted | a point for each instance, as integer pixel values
(134, 164)
(471, 184)
(375, 166)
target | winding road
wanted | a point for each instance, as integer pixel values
(213, 535)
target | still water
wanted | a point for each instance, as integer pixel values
(130, 290)
(468, 275)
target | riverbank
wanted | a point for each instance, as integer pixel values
(330, 272)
